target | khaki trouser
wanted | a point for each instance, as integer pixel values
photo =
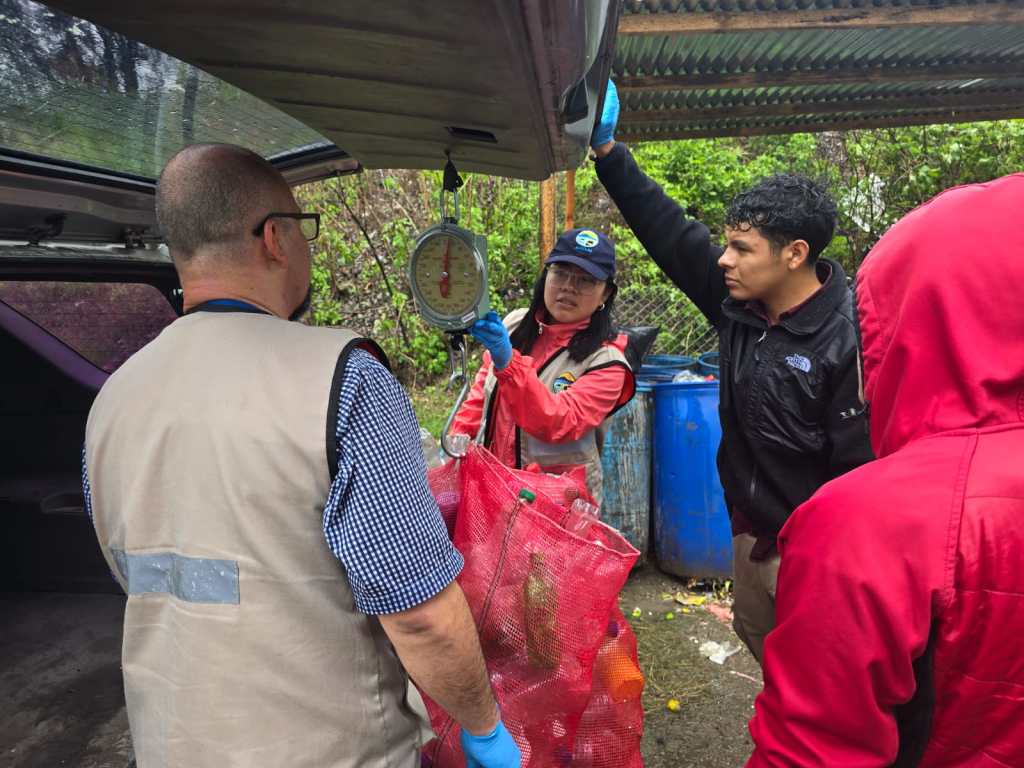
(753, 608)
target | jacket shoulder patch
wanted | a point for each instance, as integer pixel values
(563, 382)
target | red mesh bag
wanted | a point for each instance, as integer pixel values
(566, 488)
(542, 580)
(610, 729)
(444, 484)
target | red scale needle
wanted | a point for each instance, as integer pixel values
(445, 279)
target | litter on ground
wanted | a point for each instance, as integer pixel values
(718, 652)
(690, 599)
(721, 612)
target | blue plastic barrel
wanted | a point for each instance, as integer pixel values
(675, 362)
(626, 465)
(660, 369)
(656, 374)
(692, 535)
(708, 364)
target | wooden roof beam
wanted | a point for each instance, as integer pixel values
(700, 23)
(951, 71)
(862, 122)
(1011, 97)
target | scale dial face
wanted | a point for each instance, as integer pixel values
(447, 275)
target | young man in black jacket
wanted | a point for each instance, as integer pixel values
(791, 405)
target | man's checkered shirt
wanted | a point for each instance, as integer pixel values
(380, 519)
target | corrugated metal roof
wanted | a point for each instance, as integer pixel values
(719, 67)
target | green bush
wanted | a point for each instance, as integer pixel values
(370, 221)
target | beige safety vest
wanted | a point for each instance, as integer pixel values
(557, 373)
(208, 461)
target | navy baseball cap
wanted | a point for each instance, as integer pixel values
(588, 249)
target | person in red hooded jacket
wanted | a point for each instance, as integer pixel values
(553, 372)
(901, 595)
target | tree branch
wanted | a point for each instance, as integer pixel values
(380, 265)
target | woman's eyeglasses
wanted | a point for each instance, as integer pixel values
(579, 281)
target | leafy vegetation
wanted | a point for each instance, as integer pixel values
(371, 220)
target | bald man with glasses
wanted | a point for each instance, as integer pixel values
(258, 490)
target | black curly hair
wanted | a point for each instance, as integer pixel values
(786, 207)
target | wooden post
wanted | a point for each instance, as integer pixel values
(546, 239)
(570, 198)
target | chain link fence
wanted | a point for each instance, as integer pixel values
(684, 330)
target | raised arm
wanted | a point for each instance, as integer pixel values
(681, 247)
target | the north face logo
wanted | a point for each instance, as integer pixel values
(799, 362)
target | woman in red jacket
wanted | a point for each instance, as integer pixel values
(554, 372)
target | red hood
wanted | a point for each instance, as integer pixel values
(941, 301)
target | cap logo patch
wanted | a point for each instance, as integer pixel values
(587, 239)
(563, 382)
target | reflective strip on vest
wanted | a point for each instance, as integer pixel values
(192, 579)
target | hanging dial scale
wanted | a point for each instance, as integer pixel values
(448, 277)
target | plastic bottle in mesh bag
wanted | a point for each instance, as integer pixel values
(540, 604)
(431, 451)
(620, 676)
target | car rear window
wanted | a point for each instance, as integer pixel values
(76, 92)
(106, 323)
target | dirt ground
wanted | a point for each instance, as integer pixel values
(61, 698)
(62, 705)
(716, 701)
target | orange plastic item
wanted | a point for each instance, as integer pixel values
(621, 677)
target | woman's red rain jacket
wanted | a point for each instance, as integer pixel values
(524, 401)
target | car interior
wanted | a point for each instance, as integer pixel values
(96, 96)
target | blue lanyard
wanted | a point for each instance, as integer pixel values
(227, 305)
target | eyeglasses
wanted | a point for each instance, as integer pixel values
(309, 223)
(579, 281)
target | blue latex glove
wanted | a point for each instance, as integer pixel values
(496, 750)
(604, 129)
(490, 332)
